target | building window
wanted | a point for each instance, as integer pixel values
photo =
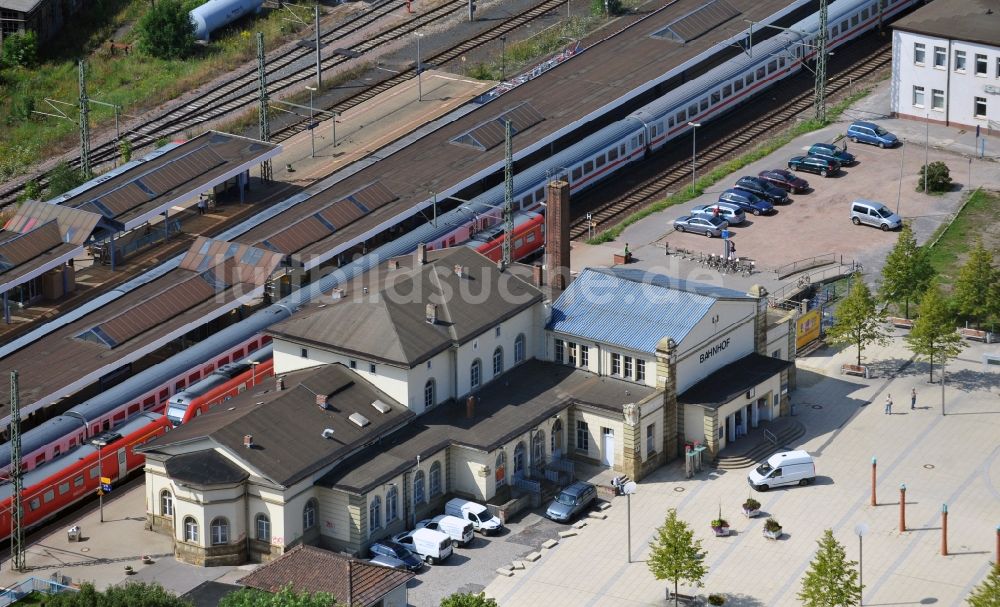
(559, 350)
(918, 96)
(435, 480)
(979, 107)
(939, 57)
(584, 356)
(220, 531)
(919, 53)
(519, 349)
(959, 61)
(304, 353)
(375, 514)
(981, 65)
(190, 530)
(429, 394)
(496, 332)
(519, 451)
(582, 436)
(571, 349)
(353, 364)
(263, 526)
(650, 439)
(391, 505)
(640, 370)
(418, 487)
(497, 361)
(628, 367)
(538, 449)
(501, 469)
(937, 100)
(616, 364)
(475, 373)
(998, 67)
(776, 353)
(371, 368)
(309, 515)
(166, 503)
(555, 439)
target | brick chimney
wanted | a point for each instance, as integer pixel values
(420, 255)
(557, 234)
(393, 264)
(461, 271)
(321, 401)
(280, 383)
(431, 313)
(248, 441)
(537, 276)
(470, 407)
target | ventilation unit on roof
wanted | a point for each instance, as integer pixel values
(328, 433)
(381, 407)
(360, 420)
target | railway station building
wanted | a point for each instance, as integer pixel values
(442, 375)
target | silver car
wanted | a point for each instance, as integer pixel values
(571, 501)
(869, 212)
(709, 225)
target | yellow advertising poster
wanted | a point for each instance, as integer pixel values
(807, 328)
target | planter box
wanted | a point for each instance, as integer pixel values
(772, 535)
(751, 513)
(721, 531)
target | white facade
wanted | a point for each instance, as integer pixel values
(947, 81)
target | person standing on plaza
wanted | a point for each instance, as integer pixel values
(888, 404)
(913, 398)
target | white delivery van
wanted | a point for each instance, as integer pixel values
(477, 514)
(788, 468)
(460, 531)
(432, 546)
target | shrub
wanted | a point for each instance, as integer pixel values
(772, 525)
(716, 599)
(31, 191)
(166, 31)
(64, 178)
(600, 7)
(938, 177)
(751, 504)
(20, 50)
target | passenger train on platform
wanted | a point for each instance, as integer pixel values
(134, 408)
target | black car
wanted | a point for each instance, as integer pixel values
(762, 189)
(398, 551)
(747, 201)
(814, 164)
(828, 150)
(784, 180)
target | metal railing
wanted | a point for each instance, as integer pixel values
(770, 436)
(527, 485)
(807, 264)
(13, 594)
(782, 297)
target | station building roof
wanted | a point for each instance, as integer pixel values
(967, 20)
(732, 380)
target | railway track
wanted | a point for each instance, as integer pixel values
(657, 187)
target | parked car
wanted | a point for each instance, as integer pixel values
(458, 530)
(701, 224)
(762, 189)
(747, 201)
(571, 501)
(432, 546)
(876, 214)
(828, 150)
(814, 164)
(871, 133)
(730, 212)
(788, 468)
(477, 514)
(785, 180)
(395, 550)
(388, 561)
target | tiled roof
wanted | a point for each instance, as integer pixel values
(967, 20)
(310, 569)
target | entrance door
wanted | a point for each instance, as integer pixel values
(608, 455)
(763, 413)
(122, 464)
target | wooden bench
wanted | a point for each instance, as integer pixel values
(623, 259)
(861, 370)
(902, 323)
(982, 336)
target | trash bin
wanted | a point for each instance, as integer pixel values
(73, 533)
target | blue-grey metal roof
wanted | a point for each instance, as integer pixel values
(633, 309)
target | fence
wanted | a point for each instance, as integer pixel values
(807, 264)
(785, 296)
(12, 594)
(558, 470)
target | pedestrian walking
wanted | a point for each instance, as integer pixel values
(201, 206)
(888, 404)
(913, 398)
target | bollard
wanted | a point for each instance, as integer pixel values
(902, 507)
(944, 529)
(874, 467)
(996, 561)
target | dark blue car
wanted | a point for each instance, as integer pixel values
(828, 150)
(747, 201)
(397, 551)
(762, 189)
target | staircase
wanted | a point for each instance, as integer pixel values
(774, 436)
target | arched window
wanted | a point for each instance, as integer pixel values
(497, 361)
(220, 531)
(391, 504)
(519, 459)
(475, 374)
(501, 471)
(435, 479)
(418, 487)
(519, 349)
(191, 533)
(429, 394)
(556, 440)
(375, 514)
(309, 514)
(166, 503)
(263, 526)
(538, 449)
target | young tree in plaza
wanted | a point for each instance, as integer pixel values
(987, 594)
(933, 337)
(907, 271)
(675, 555)
(858, 321)
(976, 286)
(832, 580)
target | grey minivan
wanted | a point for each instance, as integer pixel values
(876, 214)
(571, 501)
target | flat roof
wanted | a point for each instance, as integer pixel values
(967, 20)
(732, 380)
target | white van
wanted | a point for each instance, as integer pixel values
(477, 514)
(432, 546)
(788, 468)
(458, 530)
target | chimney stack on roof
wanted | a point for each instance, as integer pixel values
(421, 254)
(248, 441)
(393, 264)
(557, 234)
(280, 383)
(431, 313)
(337, 293)
(470, 407)
(461, 271)
(321, 401)
(537, 276)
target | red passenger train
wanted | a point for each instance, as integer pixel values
(529, 237)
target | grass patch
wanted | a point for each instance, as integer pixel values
(717, 174)
(952, 241)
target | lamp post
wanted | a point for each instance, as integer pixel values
(503, 57)
(927, 145)
(420, 92)
(694, 152)
(861, 529)
(100, 476)
(336, 115)
(253, 374)
(312, 127)
(899, 190)
(902, 507)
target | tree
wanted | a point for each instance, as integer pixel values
(675, 555)
(907, 271)
(63, 178)
(468, 600)
(286, 597)
(938, 177)
(832, 580)
(32, 191)
(987, 594)
(858, 321)
(974, 288)
(933, 336)
(166, 31)
(125, 150)
(127, 595)
(20, 50)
